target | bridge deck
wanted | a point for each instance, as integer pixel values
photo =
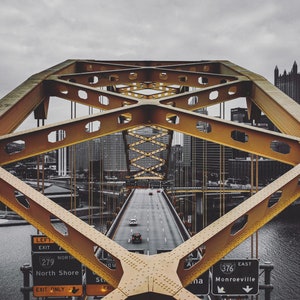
(154, 221)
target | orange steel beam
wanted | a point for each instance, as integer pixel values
(211, 95)
(277, 106)
(280, 109)
(86, 95)
(28, 96)
(137, 274)
(213, 82)
(36, 141)
(80, 239)
(222, 132)
(140, 154)
(220, 238)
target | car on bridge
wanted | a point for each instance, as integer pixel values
(136, 238)
(133, 222)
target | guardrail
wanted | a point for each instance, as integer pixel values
(111, 231)
(183, 231)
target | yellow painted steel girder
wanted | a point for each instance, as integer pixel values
(258, 141)
(138, 274)
(279, 108)
(255, 140)
(28, 96)
(228, 80)
(100, 84)
(220, 237)
(153, 152)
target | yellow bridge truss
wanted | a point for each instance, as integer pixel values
(163, 95)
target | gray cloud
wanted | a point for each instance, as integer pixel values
(38, 34)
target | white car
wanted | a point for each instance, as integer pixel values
(133, 222)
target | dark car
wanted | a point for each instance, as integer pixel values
(136, 238)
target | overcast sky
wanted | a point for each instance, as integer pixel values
(37, 34)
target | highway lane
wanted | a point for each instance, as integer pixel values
(154, 221)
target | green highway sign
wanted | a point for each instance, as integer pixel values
(54, 271)
(235, 277)
(200, 286)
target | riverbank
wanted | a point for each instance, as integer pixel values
(10, 218)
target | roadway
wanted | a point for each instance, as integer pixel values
(155, 222)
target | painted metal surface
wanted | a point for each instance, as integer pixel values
(115, 88)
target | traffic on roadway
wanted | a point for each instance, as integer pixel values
(147, 225)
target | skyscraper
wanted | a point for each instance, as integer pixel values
(289, 83)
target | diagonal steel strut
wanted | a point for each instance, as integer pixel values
(163, 273)
(180, 88)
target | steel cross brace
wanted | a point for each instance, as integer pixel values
(136, 274)
(175, 119)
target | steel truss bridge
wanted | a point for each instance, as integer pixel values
(133, 96)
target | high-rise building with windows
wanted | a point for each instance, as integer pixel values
(289, 83)
(202, 159)
(109, 150)
(269, 170)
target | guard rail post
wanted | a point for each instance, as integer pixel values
(267, 286)
(26, 289)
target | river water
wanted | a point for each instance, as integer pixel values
(278, 243)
